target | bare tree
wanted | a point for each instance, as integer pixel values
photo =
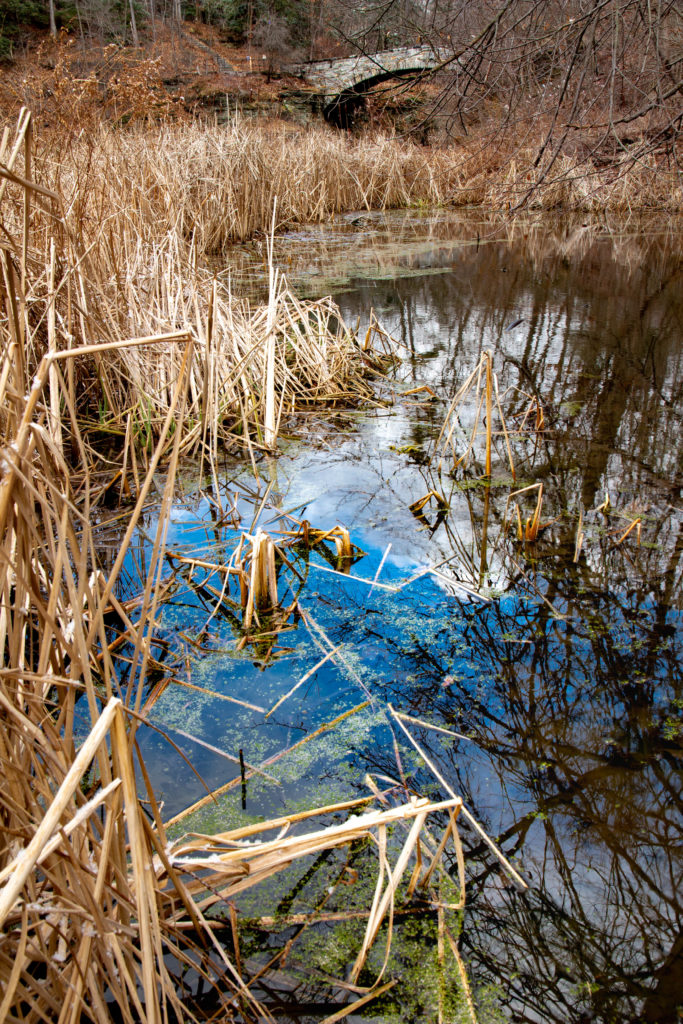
(133, 23)
(272, 37)
(579, 86)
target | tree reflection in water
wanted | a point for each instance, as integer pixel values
(567, 675)
(576, 768)
(577, 757)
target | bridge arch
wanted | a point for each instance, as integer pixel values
(344, 82)
(340, 110)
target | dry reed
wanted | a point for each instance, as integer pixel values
(100, 916)
(107, 266)
(532, 526)
(484, 385)
(216, 185)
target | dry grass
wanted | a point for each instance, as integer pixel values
(216, 185)
(254, 365)
(80, 912)
(623, 187)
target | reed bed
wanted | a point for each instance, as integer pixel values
(254, 366)
(623, 187)
(217, 184)
(80, 914)
(87, 269)
(101, 917)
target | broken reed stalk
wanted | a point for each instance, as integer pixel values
(635, 525)
(258, 576)
(232, 862)
(342, 542)
(489, 409)
(475, 824)
(579, 537)
(483, 381)
(345, 552)
(441, 503)
(256, 563)
(532, 526)
(270, 432)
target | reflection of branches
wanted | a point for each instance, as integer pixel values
(604, 800)
(575, 759)
(569, 721)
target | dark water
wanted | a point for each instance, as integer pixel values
(560, 673)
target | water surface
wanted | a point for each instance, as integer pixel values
(559, 670)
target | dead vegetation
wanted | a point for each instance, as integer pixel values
(90, 269)
(101, 917)
(119, 137)
(110, 316)
(489, 437)
(215, 185)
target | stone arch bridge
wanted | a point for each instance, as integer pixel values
(343, 82)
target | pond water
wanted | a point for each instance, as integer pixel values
(557, 671)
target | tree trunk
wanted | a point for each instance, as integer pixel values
(133, 24)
